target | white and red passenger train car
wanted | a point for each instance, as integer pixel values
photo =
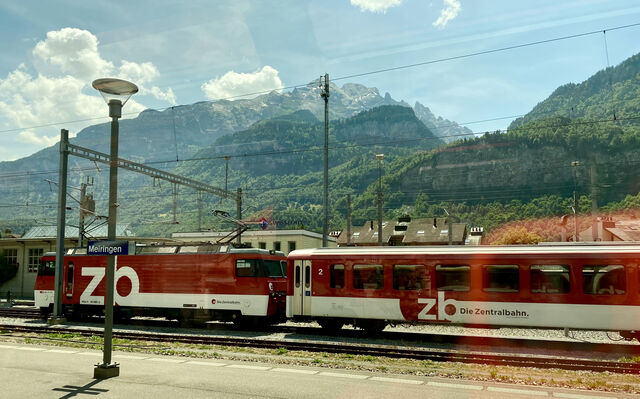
(187, 282)
(578, 287)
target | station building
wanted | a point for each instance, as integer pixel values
(278, 240)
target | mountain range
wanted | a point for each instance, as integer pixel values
(584, 137)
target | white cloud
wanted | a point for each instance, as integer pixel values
(60, 91)
(450, 11)
(75, 52)
(377, 6)
(233, 84)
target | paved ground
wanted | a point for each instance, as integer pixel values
(31, 371)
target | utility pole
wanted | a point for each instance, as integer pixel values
(594, 202)
(348, 219)
(199, 201)
(325, 198)
(380, 157)
(87, 206)
(57, 317)
(239, 211)
(575, 164)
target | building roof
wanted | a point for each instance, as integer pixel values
(122, 230)
(406, 231)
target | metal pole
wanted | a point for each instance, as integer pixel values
(379, 204)
(62, 206)
(83, 205)
(199, 201)
(325, 197)
(239, 212)
(348, 219)
(379, 156)
(115, 111)
(575, 215)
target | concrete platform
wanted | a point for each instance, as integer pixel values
(33, 371)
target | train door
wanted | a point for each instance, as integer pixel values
(302, 288)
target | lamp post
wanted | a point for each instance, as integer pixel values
(379, 157)
(115, 92)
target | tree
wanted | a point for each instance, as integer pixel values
(517, 235)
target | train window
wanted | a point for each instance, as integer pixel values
(452, 277)
(297, 276)
(603, 279)
(307, 276)
(500, 278)
(247, 268)
(273, 268)
(550, 279)
(368, 277)
(408, 277)
(337, 276)
(47, 268)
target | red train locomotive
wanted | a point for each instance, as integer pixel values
(188, 282)
(577, 287)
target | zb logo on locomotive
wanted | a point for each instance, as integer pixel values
(444, 308)
(98, 274)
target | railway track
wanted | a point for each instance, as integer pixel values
(21, 313)
(439, 355)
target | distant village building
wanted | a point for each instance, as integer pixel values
(606, 229)
(408, 231)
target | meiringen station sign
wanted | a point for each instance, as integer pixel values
(108, 248)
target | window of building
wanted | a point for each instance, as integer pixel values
(47, 268)
(292, 246)
(34, 259)
(550, 279)
(408, 277)
(368, 277)
(501, 278)
(603, 279)
(452, 277)
(336, 273)
(262, 245)
(10, 255)
(276, 246)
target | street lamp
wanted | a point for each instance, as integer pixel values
(380, 157)
(115, 92)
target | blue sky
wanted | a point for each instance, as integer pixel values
(185, 52)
